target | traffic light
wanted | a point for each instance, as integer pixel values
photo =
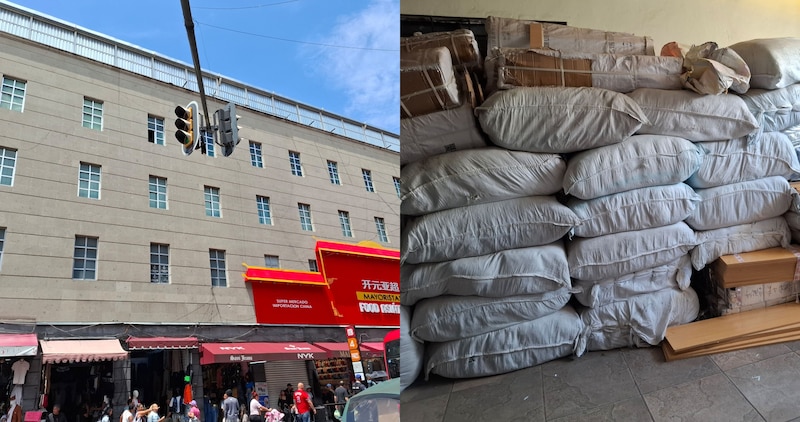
(188, 125)
(228, 128)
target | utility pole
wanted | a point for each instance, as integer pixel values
(189, 22)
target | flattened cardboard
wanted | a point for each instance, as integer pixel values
(528, 68)
(427, 82)
(537, 35)
(461, 43)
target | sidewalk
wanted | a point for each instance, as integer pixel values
(759, 384)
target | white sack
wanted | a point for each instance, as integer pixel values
(413, 352)
(640, 320)
(639, 161)
(477, 176)
(636, 209)
(741, 203)
(776, 109)
(438, 133)
(712, 244)
(675, 274)
(614, 255)
(694, 116)
(538, 269)
(793, 218)
(557, 120)
(773, 61)
(738, 160)
(516, 347)
(446, 318)
(486, 228)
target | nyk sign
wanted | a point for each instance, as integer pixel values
(257, 351)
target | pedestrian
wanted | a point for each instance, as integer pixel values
(107, 412)
(141, 413)
(341, 397)
(358, 386)
(256, 408)
(193, 408)
(56, 415)
(127, 414)
(303, 404)
(175, 411)
(153, 415)
(230, 407)
(370, 382)
(285, 405)
(192, 417)
(329, 400)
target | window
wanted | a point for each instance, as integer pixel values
(212, 202)
(367, 180)
(13, 94)
(8, 161)
(396, 181)
(255, 155)
(344, 220)
(294, 161)
(272, 261)
(333, 172)
(305, 217)
(89, 181)
(217, 260)
(84, 266)
(264, 215)
(92, 114)
(208, 138)
(158, 192)
(2, 242)
(312, 265)
(159, 263)
(155, 130)
(381, 226)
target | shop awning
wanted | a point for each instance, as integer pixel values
(372, 349)
(335, 350)
(13, 345)
(64, 351)
(254, 352)
(158, 343)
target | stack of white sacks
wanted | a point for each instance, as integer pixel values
(611, 197)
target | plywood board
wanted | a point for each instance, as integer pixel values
(756, 341)
(715, 330)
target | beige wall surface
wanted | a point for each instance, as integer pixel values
(690, 22)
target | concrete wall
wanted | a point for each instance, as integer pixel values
(42, 212)
(684, 21)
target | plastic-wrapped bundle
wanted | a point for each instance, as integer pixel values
(712, 244)
(776, 109)
(772, 61)
(412, 351)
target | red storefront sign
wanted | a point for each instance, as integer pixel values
(356, 285)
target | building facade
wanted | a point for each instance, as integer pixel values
(107, 231)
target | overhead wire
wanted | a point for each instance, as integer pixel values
(245, 7)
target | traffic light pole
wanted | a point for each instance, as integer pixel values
(187, 18)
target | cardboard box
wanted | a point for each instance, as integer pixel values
(461, 43)
(427, 82)
(795, 185)
(748, 298)
(771, 265)
(528, 68)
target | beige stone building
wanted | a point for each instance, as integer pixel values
(108, 230)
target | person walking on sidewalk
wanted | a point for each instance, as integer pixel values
(230, 407)
(303, 404)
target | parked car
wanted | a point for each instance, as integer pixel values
(380, 403)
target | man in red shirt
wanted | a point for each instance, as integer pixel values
(303, 404)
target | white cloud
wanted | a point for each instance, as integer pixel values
(369, 79)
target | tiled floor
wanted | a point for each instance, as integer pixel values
(760, 384)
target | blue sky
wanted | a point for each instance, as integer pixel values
(338, 55)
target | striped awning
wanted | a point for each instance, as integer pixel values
(65, 351)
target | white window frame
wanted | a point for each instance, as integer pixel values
(155, 188)
(87, 175)
(12, 94)
(208, 139)
(8, 164)
(380, 226)
(159, 267)
(333, 173)
(304, 210)
(344, 222)
(256, 158)
(155, 125)
(216, 259)
(212, 203)
(81, 254)
(295, 164)
(264, 210)
(268, 264)
(367, 175)
(92, 114)
(396, 181)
